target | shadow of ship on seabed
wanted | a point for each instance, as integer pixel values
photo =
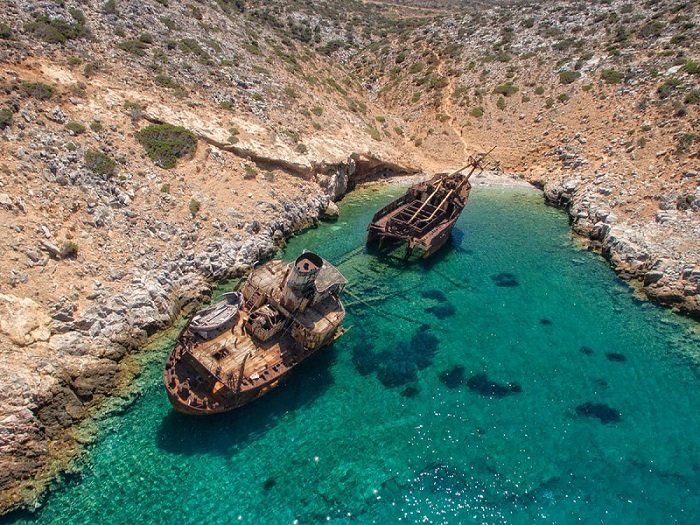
(224, 433)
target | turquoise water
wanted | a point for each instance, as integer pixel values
(513, 379)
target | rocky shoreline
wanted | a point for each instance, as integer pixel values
(646, 252)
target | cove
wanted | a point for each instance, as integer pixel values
(476, 387)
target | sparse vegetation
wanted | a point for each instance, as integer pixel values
(477, 112)
(75, 127)
(36, 90)
(501, 103)
(5, 31)
(668, 87)
(568, 77)
(56, 30)
(249, 172)
(69, 250)
(506, 89)
(5, 118)
(165, 143)
(99, 163)
(194, 207)
(611, 76)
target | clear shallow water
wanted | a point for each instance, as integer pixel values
(386, 427)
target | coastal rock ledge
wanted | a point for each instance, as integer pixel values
(661, 254)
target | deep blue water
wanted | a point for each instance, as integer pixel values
(513, 379)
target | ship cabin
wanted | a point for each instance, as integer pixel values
(304, 293)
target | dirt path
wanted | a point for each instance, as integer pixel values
(446, 106)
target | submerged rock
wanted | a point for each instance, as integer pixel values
(601, 411)
(481, 384)
(453, 378)
(505, 280)
(615, 357)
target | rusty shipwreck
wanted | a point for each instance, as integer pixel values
(240, 348)
(424, 217)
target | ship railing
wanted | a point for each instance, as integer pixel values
(390, 207)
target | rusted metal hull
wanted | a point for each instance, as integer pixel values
(285, 313)
(423, 218)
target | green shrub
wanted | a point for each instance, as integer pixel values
(5, 118)
(90, 69)
(75, 127)
(165, 187)
(587, 87)
(96, 125)
(99, 163)
(477, 112)
(69, 250)
(36, 90)
(5, 31)
(135, 47)
(668, 87)
(166, 81)
(250, 172)
(685, 142)
(549, 102)
(539, 90)
(317, 110)
(611, 76)
(693, 97)
(416, 97)
(374, 133)
(563, 97)
(194, 206)
(691, 67)
(568, 77)
(110, 7)
(57, 31)
(501, 103)
(416, 67)
(506, 89)
(164, 143)
(651, 29)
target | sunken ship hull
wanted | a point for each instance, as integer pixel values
(424, 217)
(239, 349)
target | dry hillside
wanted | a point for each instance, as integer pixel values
(150, 148)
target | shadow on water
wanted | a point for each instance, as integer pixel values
(221, 433)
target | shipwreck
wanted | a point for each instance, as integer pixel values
(424, 217)
(240, 348)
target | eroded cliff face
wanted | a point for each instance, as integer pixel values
(273, 113)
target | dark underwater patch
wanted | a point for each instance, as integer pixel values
(601, 411)
(435, 295)
(546, 322)
(615, 357)
(481, 384)
(453, 378)
(422, 348)
(441, 311)
(586, 350)
(410, 392)
(396, 370)
(505, 280)
(601, 383)
(400, 366)
(269, 483)
(364, 360)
